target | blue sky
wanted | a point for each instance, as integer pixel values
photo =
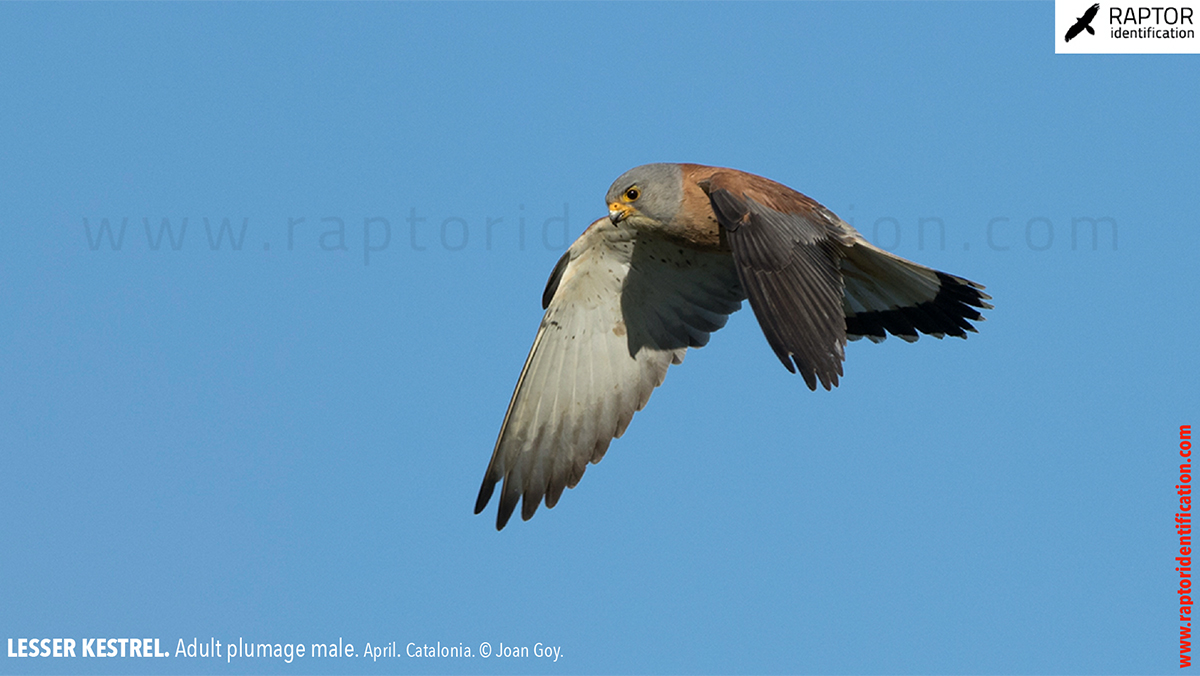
(282, 441)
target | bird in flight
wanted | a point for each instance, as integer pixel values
(1084, 22)
(683, 245)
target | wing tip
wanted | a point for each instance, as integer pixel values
(505, 512)
(529, 502)
(828, 378)
(485, 494)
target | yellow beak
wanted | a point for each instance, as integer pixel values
(618, 212)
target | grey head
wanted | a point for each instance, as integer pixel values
(652, 191)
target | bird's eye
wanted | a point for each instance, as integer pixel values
(632, 194)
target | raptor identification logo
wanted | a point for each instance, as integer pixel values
(1084, 27)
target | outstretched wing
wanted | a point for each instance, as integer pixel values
(814, 282)
(787, 252)
(621, 307)
(1074, 30)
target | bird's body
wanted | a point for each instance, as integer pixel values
(682, 247)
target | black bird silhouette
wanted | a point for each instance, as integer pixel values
(1084, 22)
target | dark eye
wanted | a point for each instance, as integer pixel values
(632, 194)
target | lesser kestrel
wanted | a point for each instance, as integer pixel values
(682, 246)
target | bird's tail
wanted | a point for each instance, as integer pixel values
(888, 294)
(1089, 30)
